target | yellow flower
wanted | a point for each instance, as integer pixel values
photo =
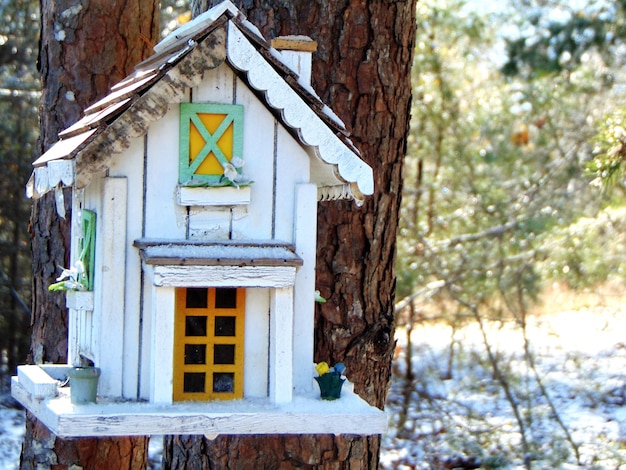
(322, 368)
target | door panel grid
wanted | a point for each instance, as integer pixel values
(208, 344)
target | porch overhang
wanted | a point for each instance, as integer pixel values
(219, 264)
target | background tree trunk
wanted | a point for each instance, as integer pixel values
(362, 70)
(85, 48)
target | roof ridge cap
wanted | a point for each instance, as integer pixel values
(197, 25)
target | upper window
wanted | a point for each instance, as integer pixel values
(211, 144)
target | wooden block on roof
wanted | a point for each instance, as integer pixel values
(294, 43)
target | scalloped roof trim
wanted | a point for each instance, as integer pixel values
(297, 114)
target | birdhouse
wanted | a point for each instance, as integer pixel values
(192, 283)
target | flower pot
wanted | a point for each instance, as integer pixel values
(84, 384)
(330, 386)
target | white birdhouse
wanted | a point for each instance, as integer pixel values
(195, 190)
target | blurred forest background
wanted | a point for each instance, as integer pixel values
(513, 178)
(513, 211)
(513, 189)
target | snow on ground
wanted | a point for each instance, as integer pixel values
(11, 430)
(466, 420)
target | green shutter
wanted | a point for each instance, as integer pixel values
(87, 246)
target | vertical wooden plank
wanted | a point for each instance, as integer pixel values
(87, 333)
(217, 86)
(292, 168)
(162, 344)
(164, 218)
(281, 344)
(73, 339)
(89, 329)
(113, 280)
(258, 154)
(131, 165)
(256, 342)
(209, 223)
(304, 295)
(146, 365)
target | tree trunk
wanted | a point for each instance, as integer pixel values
(362, 70)
(15, 330)
(85, 48)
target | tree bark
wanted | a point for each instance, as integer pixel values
(362, 70)
(85, 48)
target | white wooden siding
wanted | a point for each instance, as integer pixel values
(130, 165)
(292, 168)
(256, 343)
(281, 346)
(75, 331)
(112, 271)
(258, 154)
(210, 224)
(162, 342)
(89, 345)
(164, 218)
(304, 297)
(216, 87)
(147, 337)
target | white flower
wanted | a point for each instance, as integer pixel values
(70, 279)
(230, 172)
(73, 273)
(237, 162)
(319, 298)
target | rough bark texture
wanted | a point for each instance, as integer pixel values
(362, 70)
(86, 46)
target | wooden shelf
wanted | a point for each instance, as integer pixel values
(304, 415)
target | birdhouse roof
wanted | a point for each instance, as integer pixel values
(222, 34)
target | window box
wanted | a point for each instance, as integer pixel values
(79, 300)
(213, 196)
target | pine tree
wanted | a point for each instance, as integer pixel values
(85, 48)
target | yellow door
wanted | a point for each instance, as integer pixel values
(208, 344)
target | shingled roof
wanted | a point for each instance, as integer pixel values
(221, 34)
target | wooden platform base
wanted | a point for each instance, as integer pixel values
(304, 415)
